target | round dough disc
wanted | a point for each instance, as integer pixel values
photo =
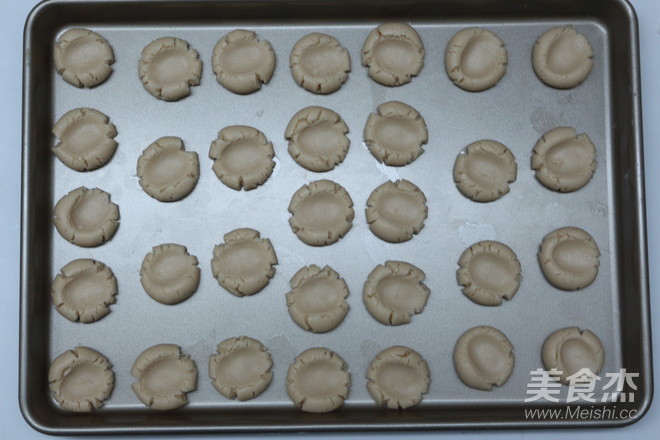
(241, 369)
(241, 62)
(562, 57)
(84, 290)
(394, 292)
(317, 381)
(489, 271)
(319, 63)
(86, 139)
(167, 171)
(83, 57)
(396, 211)
(564, 161)
(81, 379)
(394, 54)
(395, 134)
(168, 68)
(317, 138)
(86, 217)
(570, 350)
(317, 300)
(169, 274)
(398, 377)
(164, 377)
(243, 264)
(569, 258)
(483, 358)
(475, 59)
(242, 157)
(321, 213)
(483, 173)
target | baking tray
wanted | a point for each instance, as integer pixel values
(516, 112)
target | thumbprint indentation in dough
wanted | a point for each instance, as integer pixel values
(319, 63)
(396, 211)
(393, 53)
(483, 358)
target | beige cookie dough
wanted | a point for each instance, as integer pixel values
(562, 57)
(395, 134)
(483, 358)
(164, 377)
(484, 171)
(86, 139)
(83, 57)
(242, 157)
(169, 274)
(317, 300)
(318, 381)
(244, 263)
(398, 377)
(242, 62)
(394, 54)
(166, 170)
(569, 258)
(241, 369)
(569, 350)
(317, 138)
(319, 63)
(396, 211)
(321, 213)
(86, 217)
(489, 271)
(564, 161)
(169, 67)
(475, 59)
(84, 290)
(394, 292)
(81, 379)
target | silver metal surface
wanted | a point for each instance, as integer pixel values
(516, 112)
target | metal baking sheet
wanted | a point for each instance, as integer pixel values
(515, 112)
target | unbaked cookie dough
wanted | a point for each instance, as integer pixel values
(562, 57)
(81, 379)
(241, 62)
(169, 274)
(164, 377)
(83, 57)
(241, 369)
(569, 258)
(483, 358)
(317, 138)
(394, 54)
(86, 139)
(317, 300)
(484, 171)
(319, 63)
(398, 376)
(321, 213)
(569, 350)
(475, 59)
(166, 170)
(84, 290)
(317, 381)
(86, 217)
(396, 211)
(242, 157)
(489, 271)
(395, 134)
(168, 68)
(243, 264)
(564, 161)
(394, 292)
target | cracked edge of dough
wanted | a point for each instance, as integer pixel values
(324, 84)
(396, 32)
(317, 322)
(552, 349)
(178, 290)
(467, 371)
(98, 74)
(542, 47)
(379, 309)
(67, 274)
(471, 189)
(246, 391)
